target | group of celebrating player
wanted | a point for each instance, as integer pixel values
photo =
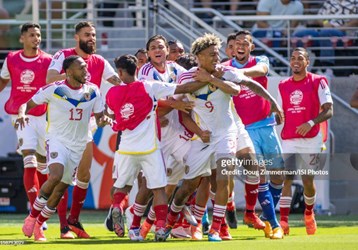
(178, 126)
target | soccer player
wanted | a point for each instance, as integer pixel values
(254, 112)
(70, 105)
(307, 102)
(230, 46)
(142, 57)
(176, 49)
(133, 105)
(27, 69)
(99, 70)
(174, 137)
(213, 113)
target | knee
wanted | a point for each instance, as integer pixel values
(55, 178)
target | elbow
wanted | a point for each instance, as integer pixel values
(48, 80)
(354, 104)
(236, 91)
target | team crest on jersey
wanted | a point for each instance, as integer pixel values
(27, 76)
(127, 110)
(296, 97)
(87, 96)
(53, 155)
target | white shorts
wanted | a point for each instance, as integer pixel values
(57, 152)
(32, 136)
(202, 156)
(91, 129)
(243, 138)
(176, 161)
(128, 167)
(300, 156)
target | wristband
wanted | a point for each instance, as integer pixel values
(311, 123)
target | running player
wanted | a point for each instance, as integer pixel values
(71, 103)
(99, 70)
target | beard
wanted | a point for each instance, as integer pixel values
(86, 48)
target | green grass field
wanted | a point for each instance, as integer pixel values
(334, 232)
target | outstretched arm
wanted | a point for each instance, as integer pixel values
(54, 76)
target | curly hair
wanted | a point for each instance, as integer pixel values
(204, 42)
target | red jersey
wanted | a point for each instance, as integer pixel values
(27, 77)
(130, 103)
(251, 107)
(95, 65)
(301, 103)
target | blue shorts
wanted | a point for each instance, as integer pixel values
(267, 146)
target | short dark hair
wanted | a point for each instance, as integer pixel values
(156, 37)
(244, 32)
(69, 61)
(231, 36)
(187, 61)
(128, 63)
(83, 24)
(303, 50)
(26, 26)
(142, 50)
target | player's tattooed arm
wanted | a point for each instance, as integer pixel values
(115, 80)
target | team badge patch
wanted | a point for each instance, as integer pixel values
(187, 169)
(87, 96)
(53, 155)
(127, 110)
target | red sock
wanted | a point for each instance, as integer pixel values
(216, 223)
(62, 210)
(31, 184)
(117, 200)
(251, 194)
(161, 212)
(42, 178)
(309, 209)
(46, 213)
(78, 199)
(124, 204)
(230, 206)
(218, 215)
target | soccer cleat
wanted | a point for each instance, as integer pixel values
(108, 222)
(189, 216)
(196, 233)
(311, 225)
(180, 232)
(267, 229)
(214, 235)
(285, 227)
(78, 229)
(66, 234)
(231, 218)
(29, 225)
(118, 223)
(129, 217)
(162, 234)
(224, 233)
(144, 229)
(134, 234)
(277, 233)
(44, 226)
(251, 219)
(205, 228)
(39, 233)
